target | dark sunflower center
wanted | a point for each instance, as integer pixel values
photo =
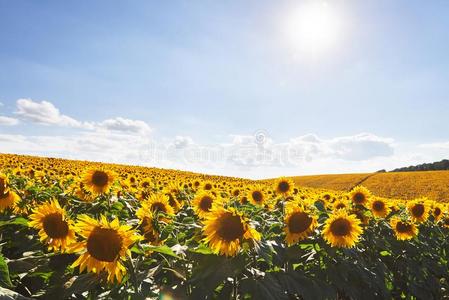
(299, 222)
(55, 227)
(437, 211)
(145, 185)
(402, 227)
(230, 228)
(236, 193)
(100, 178)
(379, 206)
(340, 206)
(206, 203)
(283, 186)
(2, 186)
(171, 200)
(132, 180)
(158, 206)
(257, 196)
(208, 186)
(340, 227)
(4, 195)
(359, 198)
(150, 236)
(418, 210)
(104, 244)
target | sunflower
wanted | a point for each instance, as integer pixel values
(8, 199)
(145, 183)
(437, 211)
(340, 204)
(54, 227)
(380, 207)
(418, 210)
(299, 224)
(404, 230)
(360, 196)
(284, 186)
(106, 244)
(207, 186)
(235, 192)
(172, 191)
(342, 229)
(98, 181)
(225, 230)
(203, 203)
(150, 234)
(257, 196)
(157, 203)
(78, 189)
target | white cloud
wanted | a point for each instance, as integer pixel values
(183, 142)
(242, 156)
(7, 121)
(357, 147)
(125, 125)
(46, 113)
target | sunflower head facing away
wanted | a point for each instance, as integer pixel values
(419, 210)
(105, 245)
(380, 208)
(360, 196)
(342, 229)
(150, 234)
(284, 186)
(403, 229)
(204, 202)
(299, 224)
(226, 229)
(98, 181)
(55, 229)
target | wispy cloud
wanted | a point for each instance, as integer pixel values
(7, 121)
(46, 113)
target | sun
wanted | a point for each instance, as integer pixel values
(313, 27)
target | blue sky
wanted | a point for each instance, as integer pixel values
(211, 73)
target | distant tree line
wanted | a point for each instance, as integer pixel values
(440, 165)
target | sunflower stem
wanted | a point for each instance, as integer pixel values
(235, 289)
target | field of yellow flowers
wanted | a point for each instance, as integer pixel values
(82, 230)
(403, 185)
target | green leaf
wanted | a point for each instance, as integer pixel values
(211, 271)
(5, 281)
(201, 249)
(320, 206)
(267, 288)
(16, 221)
(164, 249)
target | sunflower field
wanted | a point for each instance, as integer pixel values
(403, 185)
(83, 230)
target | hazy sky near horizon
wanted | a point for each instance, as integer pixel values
(244, 88)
